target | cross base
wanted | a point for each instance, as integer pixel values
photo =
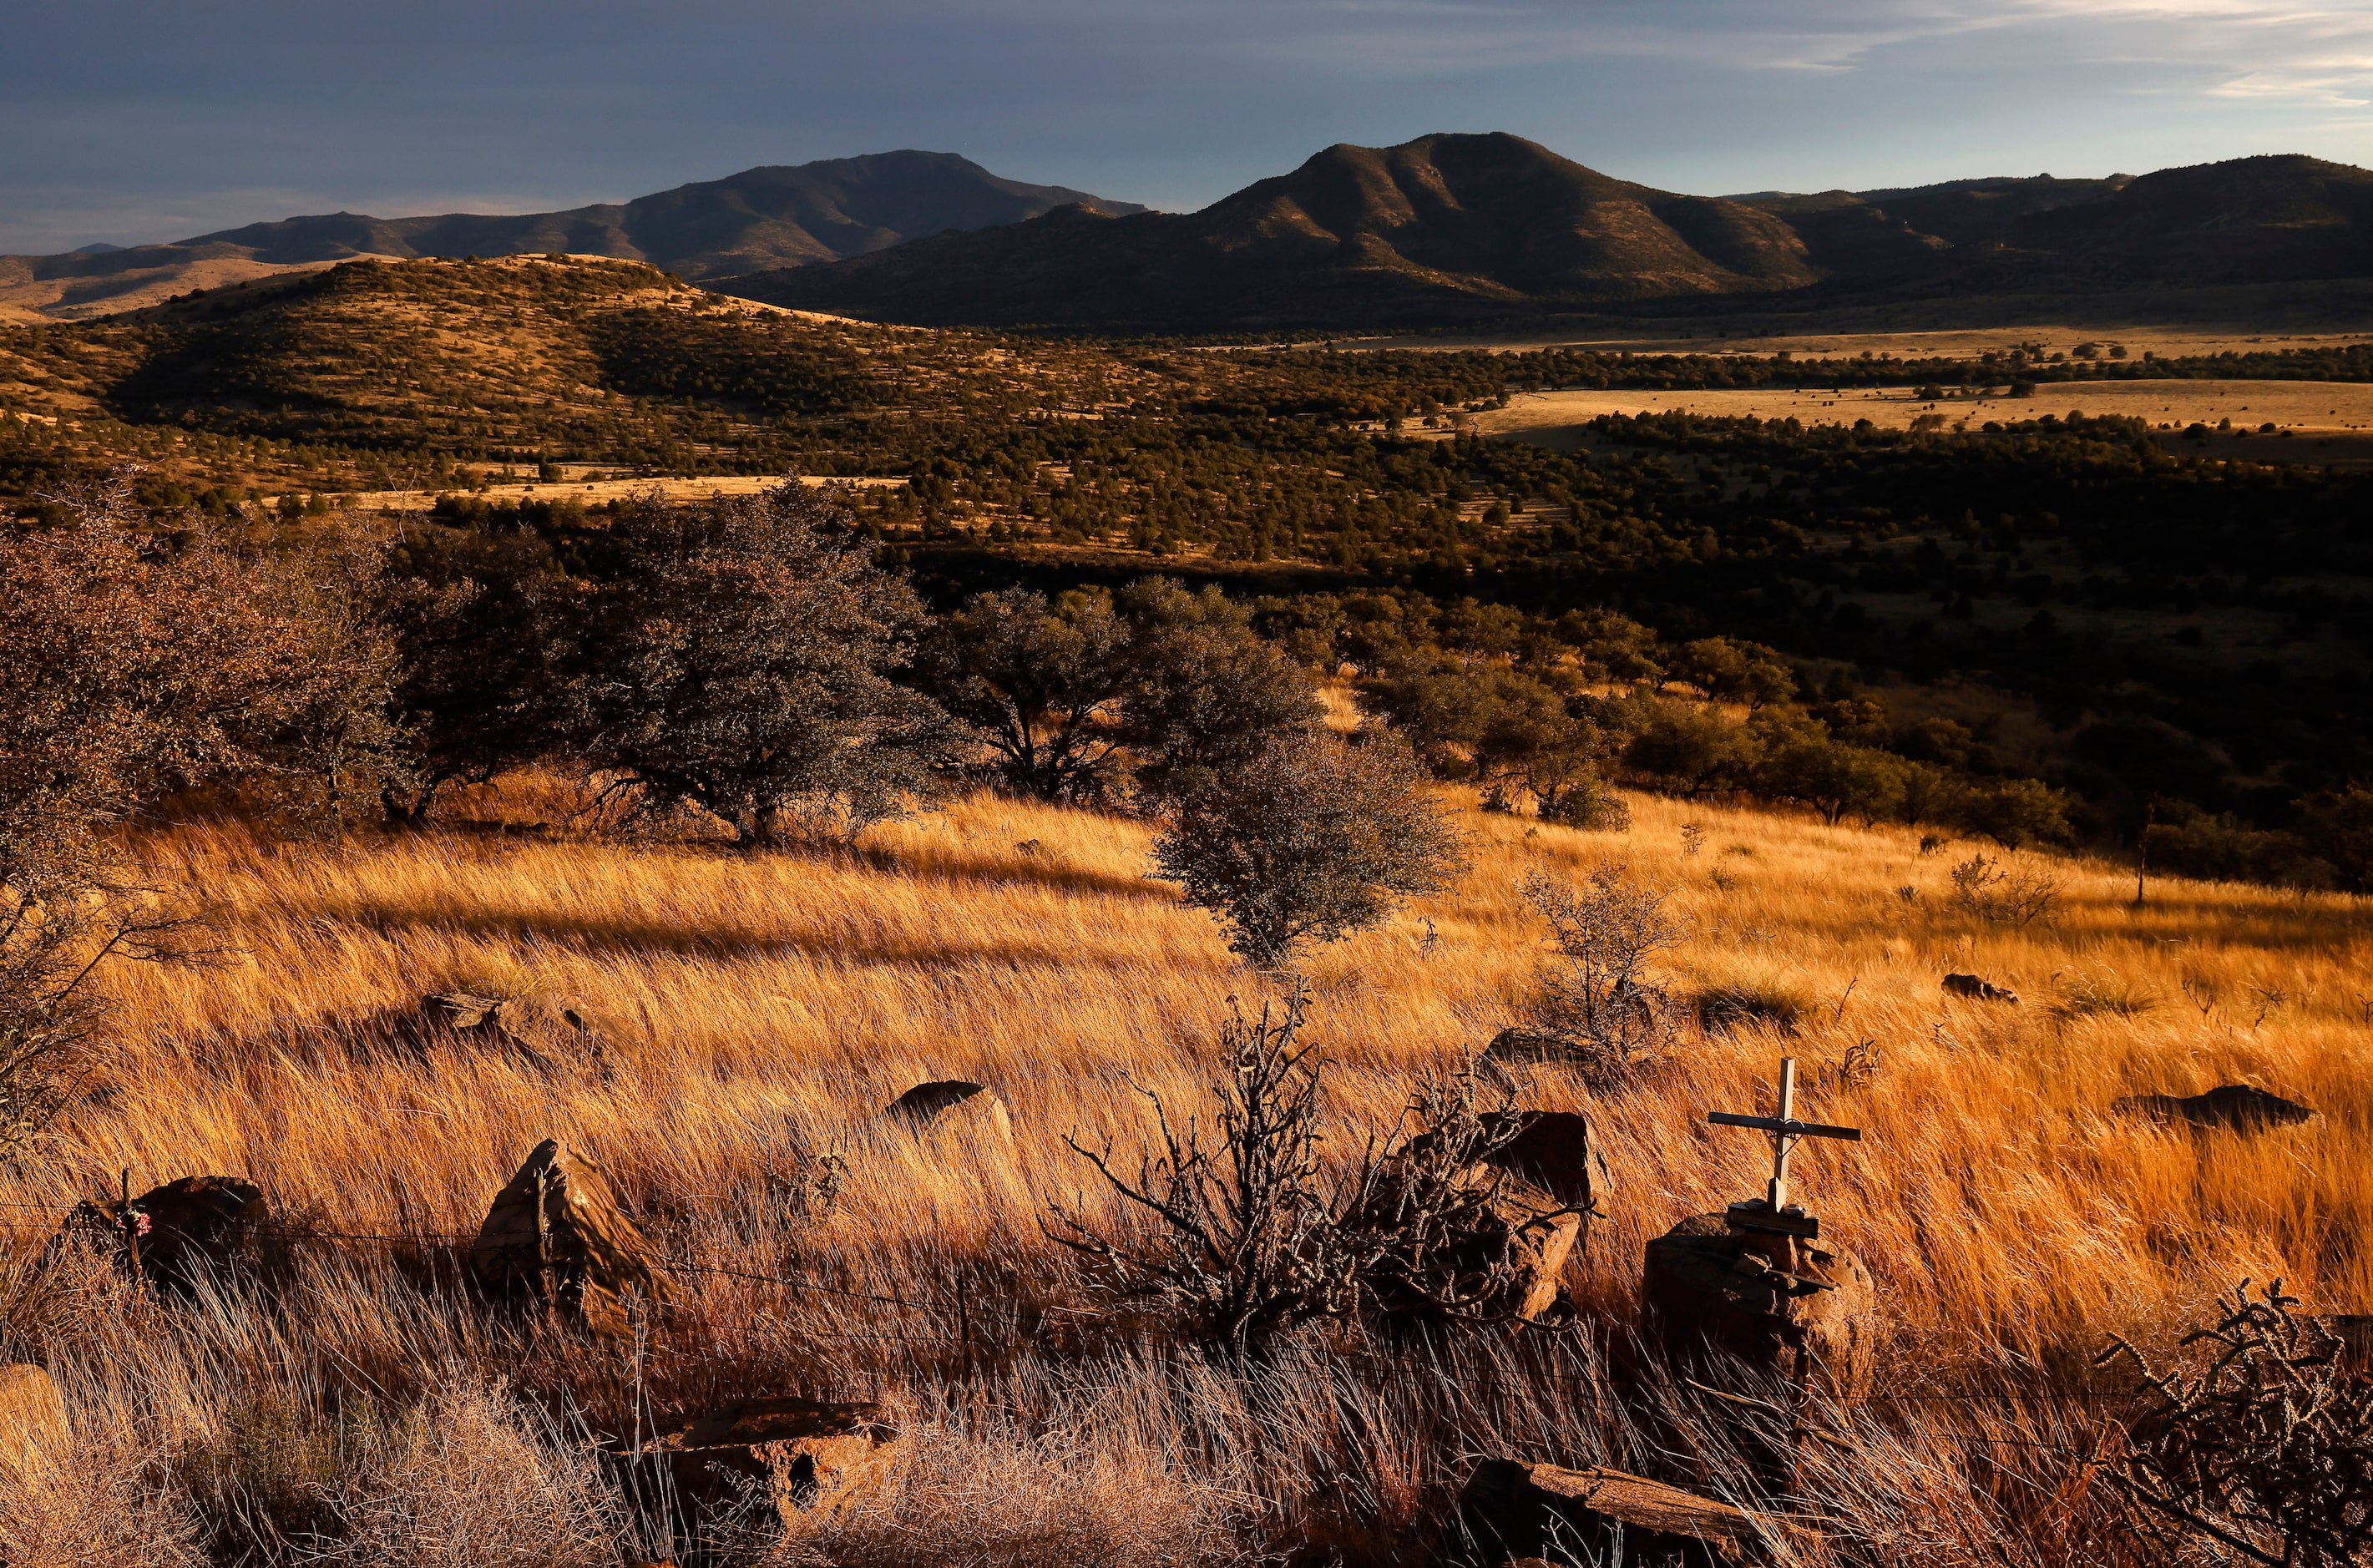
(1756, 1215)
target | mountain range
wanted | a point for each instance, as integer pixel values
(759, 219)
(1444, 230)
(1448, 230)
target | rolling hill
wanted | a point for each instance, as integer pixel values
(765, 217)
(1450, 229)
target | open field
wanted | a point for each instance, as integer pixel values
(596, 490)
(2335, 411)
(2011, 1223)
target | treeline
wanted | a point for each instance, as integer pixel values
(751, 663)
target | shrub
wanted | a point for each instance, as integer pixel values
(2267, 1449)
(1743, 1003)
(1248, 1241)
(127, 672)
(462, 1480)
(1594, 998)
(2086, 994)
(1314, 841)
(2008, 895)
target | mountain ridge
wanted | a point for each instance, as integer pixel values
(1458, 229)
(765, 217)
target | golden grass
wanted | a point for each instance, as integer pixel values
(2010, 1222)
(2315, 408)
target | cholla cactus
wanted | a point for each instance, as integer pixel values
(2266, 1450)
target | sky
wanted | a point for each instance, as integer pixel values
(131, 120)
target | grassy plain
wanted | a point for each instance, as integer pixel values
(2011, 1223)
(2321, 410)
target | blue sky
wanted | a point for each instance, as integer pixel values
(135, 120)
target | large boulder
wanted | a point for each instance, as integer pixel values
(34, 1433)
(546, 1026)
(809, 1460)
(1790, 1308)
(952, 1108)
(1540, 1192)
(190, 1228)
(1976, 989)
(557, 1238)
(2234, 1107)
(1511, 1511)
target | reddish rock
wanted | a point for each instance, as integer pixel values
(1707, 1288)
(808, 1459)
(1515, 1511)
(547, 1026)
(190, 1228)
(952, 1108)
(586, 1261)
(1976, 989)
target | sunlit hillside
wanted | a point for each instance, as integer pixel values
(765, 1003)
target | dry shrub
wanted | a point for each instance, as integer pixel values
(1594, 998)
(102, 1506)
(465, 1480)
(999, 1498)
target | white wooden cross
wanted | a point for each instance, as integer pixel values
(1785, 1131)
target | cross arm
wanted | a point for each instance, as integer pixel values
(1792, 1128)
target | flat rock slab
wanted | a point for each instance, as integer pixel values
(808, 1459)
(34, 1432)
(1511, 1511)
(545, 1025)
(1708, 1290)
(952, 1107)
(585, 1258)
(2234, 1107)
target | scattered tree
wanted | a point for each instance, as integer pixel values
(1315, 838)
(1038, 681)
(738, 659)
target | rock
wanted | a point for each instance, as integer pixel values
(1535, 1217)
(808, 1459)
(1974, 989)
(545, 1025)
(1527, 1046)
(1707, 1288)
(1513, 1510)
(952, 1107)
(1553, 1151)
(34, 1432)
(589, 1260)
(2235, 1107)
(195, 1227)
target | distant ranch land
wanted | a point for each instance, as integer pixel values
(594, 491)
(2338, 411)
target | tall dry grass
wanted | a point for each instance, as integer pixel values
(772, 1002)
